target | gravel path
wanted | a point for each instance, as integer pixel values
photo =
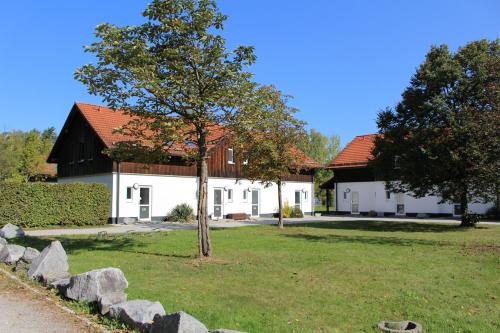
(23, 311)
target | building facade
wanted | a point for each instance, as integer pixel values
(148, 192)
(357, 191)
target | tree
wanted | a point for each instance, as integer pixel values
(323, 149)
(265, 133)
(174, 75)
(442, 138)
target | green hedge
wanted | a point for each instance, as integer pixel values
(45, 204)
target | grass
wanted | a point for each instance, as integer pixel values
(325, 277)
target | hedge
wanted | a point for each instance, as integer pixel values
(45, 204)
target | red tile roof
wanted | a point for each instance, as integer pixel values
(357, 153)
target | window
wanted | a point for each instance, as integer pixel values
(297, 199)
(306, 194)
(81, 152)
(387, 195)
(245, 196)
(457, 209)
(230, 195)
(396, 162)
(230, 156)
(345, 195)
(129, 193)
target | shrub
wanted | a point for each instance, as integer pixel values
(296, 212)
(372, 213)
(45, 204)
(181, 213)
(287, 210)
(493, 213)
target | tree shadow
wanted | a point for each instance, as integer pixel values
(367, 240)
(381, 226)
(112, 243)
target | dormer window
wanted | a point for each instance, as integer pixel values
(230, 156)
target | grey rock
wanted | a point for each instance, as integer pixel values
(30, 254)
(53, 259)
(11, 253)
(137, 313)
(105, 301)
(50, 277)
(178, 322)
(223, 330)
(22, 267)
(60, 285)
(3, 242)
(10, 231)
(89, 286)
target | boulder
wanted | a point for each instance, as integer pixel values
(137, 313)
(179, 322)
(60, 285)
(223, 330)
(106, 300)
(53, 259)
(22, 267)
(30, 254)
(10, 231)
(50, 277)
(11, 253)
(89, 286)
(3, 242)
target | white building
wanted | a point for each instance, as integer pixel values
(149, 192)
(357, 191)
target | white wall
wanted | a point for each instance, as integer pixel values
(372, 196)
(169, 191)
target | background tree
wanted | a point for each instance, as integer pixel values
(23, 154)
(265, 133)
(443, 137)
(323, 149)
(174, 75)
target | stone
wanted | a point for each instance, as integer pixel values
(11, 253)
(3, 242)
(223, 330)
(53, 259)
(138, 314)
(105, 301)
(22, 267)
(406, 326)
(30, 254)
(178, 322)
(50, 277)
(61, 285)
(10, 231)
(89, 286)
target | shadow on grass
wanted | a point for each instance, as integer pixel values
(92, 243)
(382, 226)
(366, 240)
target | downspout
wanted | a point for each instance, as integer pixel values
(117, 219)
(336, 197)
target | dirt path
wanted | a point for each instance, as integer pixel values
(23, 311)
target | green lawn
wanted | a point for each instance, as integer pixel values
(325, 277)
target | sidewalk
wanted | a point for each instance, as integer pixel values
(144, 227)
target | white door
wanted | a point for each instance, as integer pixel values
(255, 202)
(218, 203)
(355, 203)
(400, 204)
(145, 203)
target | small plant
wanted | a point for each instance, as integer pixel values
(472, 219)
(287, 210)
(181, 213)
(372, 213)
(296, 212)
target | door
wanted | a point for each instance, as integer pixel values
(355, 203)
(298, 203)
(145, 203)
(217, 203)
(400, 204)
(255, 202)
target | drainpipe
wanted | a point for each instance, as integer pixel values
(336, 197)
(117, 192)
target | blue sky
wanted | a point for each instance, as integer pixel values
(343, 61)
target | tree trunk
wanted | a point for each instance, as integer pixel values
(204, 245)
(464, 203)
(280, 206)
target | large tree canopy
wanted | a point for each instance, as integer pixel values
(175, 76)
(443, 137)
